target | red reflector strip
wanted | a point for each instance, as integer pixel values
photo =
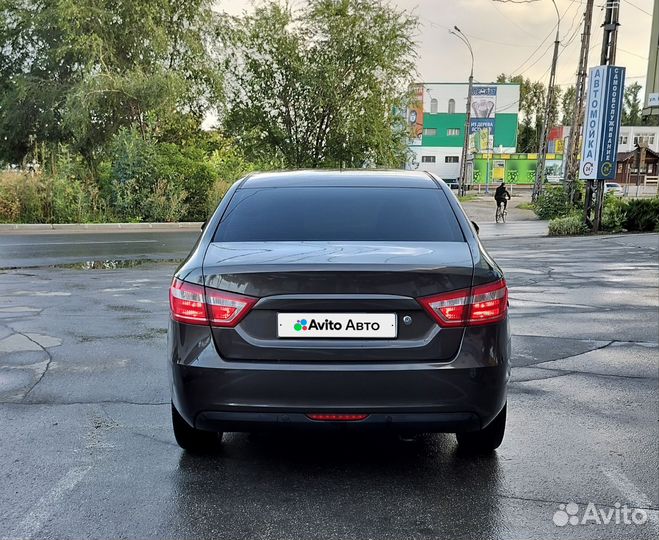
(337, 417)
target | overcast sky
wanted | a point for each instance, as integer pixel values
(513, 38)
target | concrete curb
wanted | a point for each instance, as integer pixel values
(192, 225)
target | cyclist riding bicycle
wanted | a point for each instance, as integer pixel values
(502, 196)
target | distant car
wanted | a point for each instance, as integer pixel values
(614, 189)
(452, 183)
(339, 300)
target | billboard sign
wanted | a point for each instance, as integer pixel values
(602, 123)
(517, 168)
(415, 116)
(483, 109)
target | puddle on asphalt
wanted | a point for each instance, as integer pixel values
(114, 264)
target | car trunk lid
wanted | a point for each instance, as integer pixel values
(338, 278)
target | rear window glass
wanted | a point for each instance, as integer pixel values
(339, 214)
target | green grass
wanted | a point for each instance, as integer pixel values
(467, 198)
(525, 206)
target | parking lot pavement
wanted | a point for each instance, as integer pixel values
(86, 450)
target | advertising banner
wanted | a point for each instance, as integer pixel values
(483, 109)
(484, 140)
(517, 168)
(602, 123)
(608, 156)
(415, 116)
(472, 143)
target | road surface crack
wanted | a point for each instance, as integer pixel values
(48, 362)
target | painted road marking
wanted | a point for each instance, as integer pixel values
(633, 494)
(46, 506)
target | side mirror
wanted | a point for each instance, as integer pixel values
(203, 225)
(476, 227)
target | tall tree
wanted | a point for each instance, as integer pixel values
(76, 71)
(556, 106)
(321, 86)
(631, 114)
(531, 107)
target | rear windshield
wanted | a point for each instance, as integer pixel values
(339, 214)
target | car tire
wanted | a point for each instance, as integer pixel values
(486, 440)
(191, 439)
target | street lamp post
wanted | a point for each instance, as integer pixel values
(463, 161)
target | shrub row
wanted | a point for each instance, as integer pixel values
(139, 179)
(618, 215)
(568, 225)
(633, 215)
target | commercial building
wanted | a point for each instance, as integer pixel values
(437, 123)
(651, 104)
(643, 135)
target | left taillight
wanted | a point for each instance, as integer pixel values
(193, 304)
(483, 304)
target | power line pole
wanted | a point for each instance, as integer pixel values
(540, 167)
(572, 153)
(465, 146)
(607, 58)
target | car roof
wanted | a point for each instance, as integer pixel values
(340, 178)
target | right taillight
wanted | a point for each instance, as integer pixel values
(193, 304)
(483, 304)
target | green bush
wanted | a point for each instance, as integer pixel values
(567, 225)
(150, 181)
(139, 178)
(66, 196)
(614, 214)
(552, 203)
(642, 215)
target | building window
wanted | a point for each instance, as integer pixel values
(451, 159)
(433, 106)
(644, 138)
(430, 132)
(451, 106)
(623, 139)
(428, 159)
(451, 132)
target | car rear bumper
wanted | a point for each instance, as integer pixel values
(462, 395)
(264, 421)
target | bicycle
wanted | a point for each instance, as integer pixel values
(501, 213)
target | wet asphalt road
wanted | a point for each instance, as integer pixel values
(86, 450)
(42, 248)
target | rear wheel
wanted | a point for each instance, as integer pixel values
(191, 439)
(486, 440)
(501, 214)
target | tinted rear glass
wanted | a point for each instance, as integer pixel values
(339, 214)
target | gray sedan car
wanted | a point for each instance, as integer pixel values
(339, 300)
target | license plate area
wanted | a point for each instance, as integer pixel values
(337, 325)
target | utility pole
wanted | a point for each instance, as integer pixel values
(574, 142)
(607, 58)
(465, 146)
(542, 158)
